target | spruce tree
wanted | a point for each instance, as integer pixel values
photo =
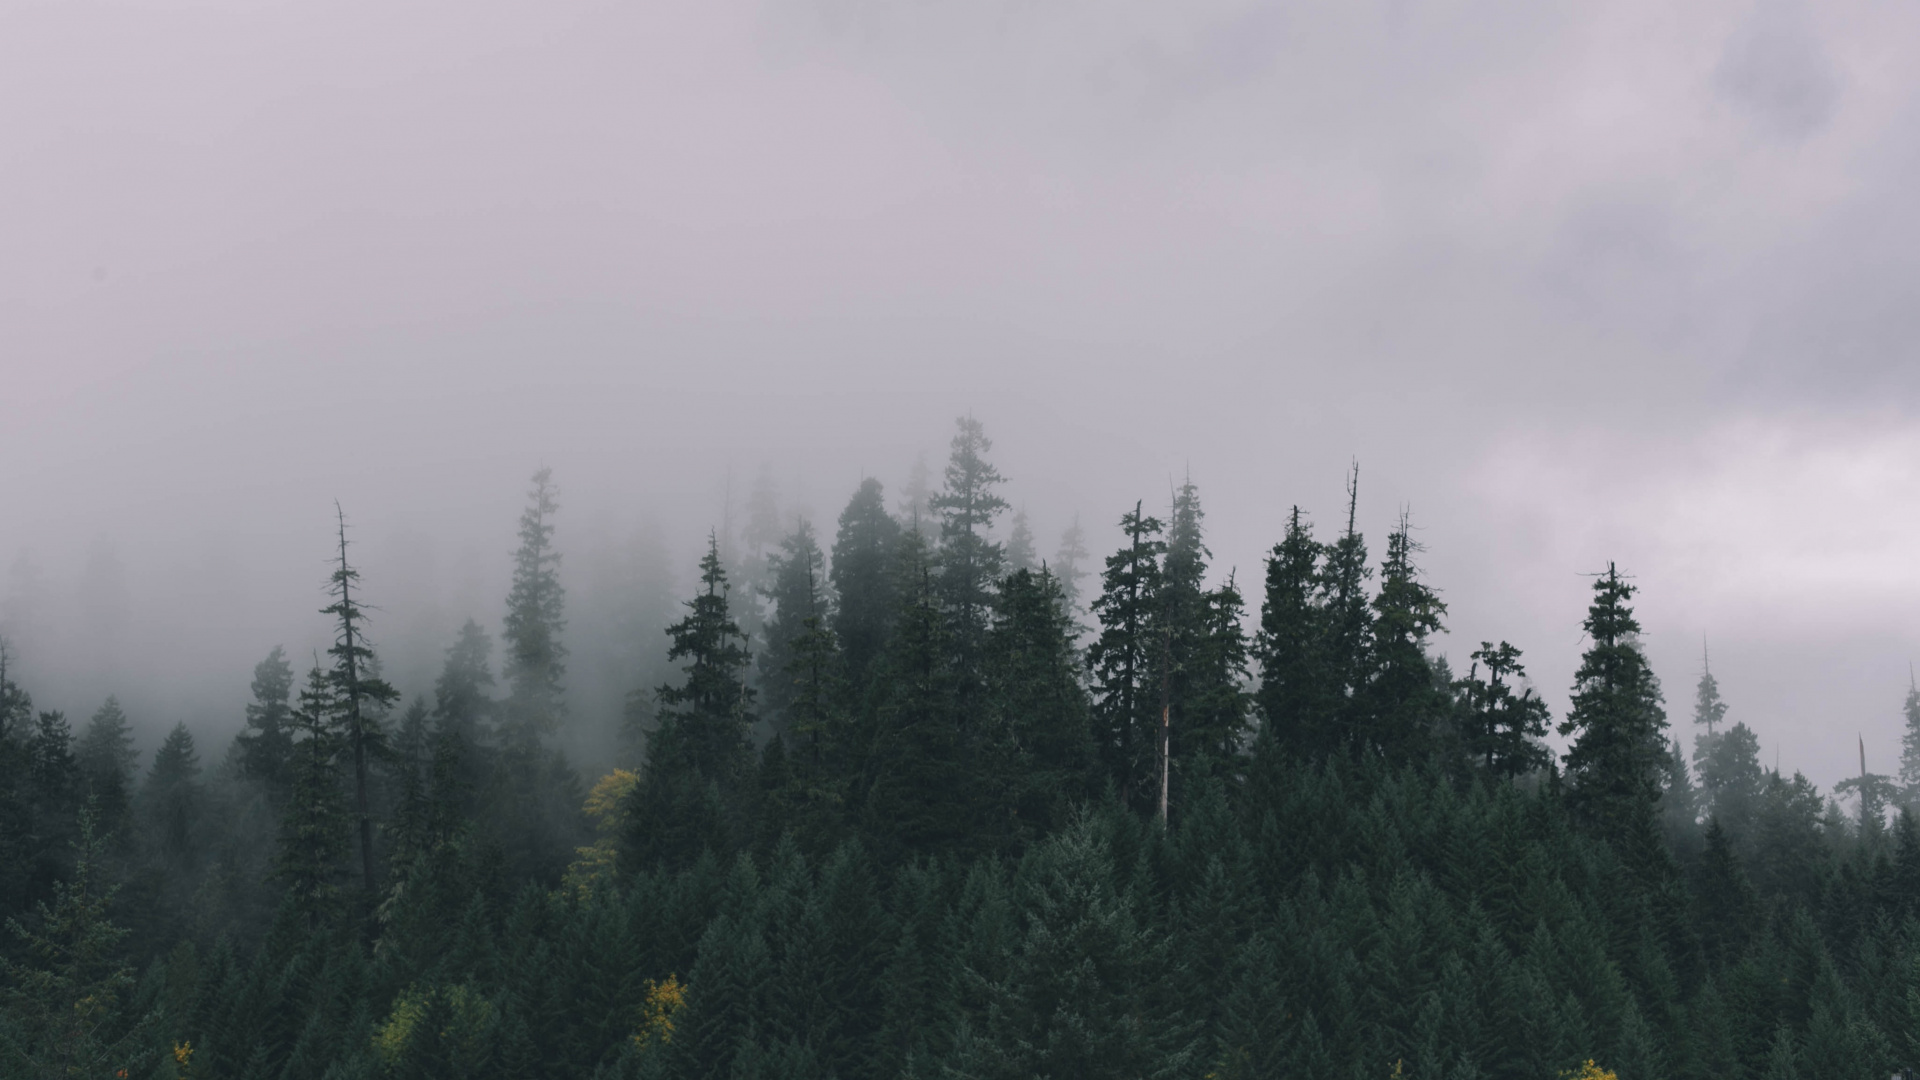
(172, 798)
(699, 753)
(1708, 709)
(1296, 695)
(863, 580)
(106, 758)
(536, 610)
(1039, 739)
(1126, 659)
(316, 824)
(1732, 780)
(1501, 729)
(1402, 707)
(970, 561)
(797, 587)
(1910, 741)
(463, 703)
(1205, 650)
(1070, 568)
(360, 696)
(1618, 726)
(266, 743)
(1347, 624)
(1020, 554)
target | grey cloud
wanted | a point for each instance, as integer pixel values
(1775, 68)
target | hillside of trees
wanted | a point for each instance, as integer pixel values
(922, 803)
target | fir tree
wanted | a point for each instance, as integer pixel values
(1070, 568)
(106, 758)
(1347, 624)
(863, 581)
(970, 561)
(536, 609)
(360, 697)
(172, 797)
(700, 750)
(1125, 660)
(1500, 728)
(1020, 554)
(797, 588)
(1708, 709)
(1617, 722)
(1910, 741)
(1402, 706)
(315, 825)
(1039, 732)
(1295, 695)
(1205, 650)
(1731, 779)
(266, 744)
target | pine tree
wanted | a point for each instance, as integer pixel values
(1020, 553)
(1732, 780)
(922, 792)
(536, 610)
(700, 750)
(1500, 728)
(1617, 722)
(1296, 695)
(316, 824)
(1910, 741)
(1401, 706)
(67, 992)
(1347, 627)
(797, 576)
(970, 561)
(172, 798)
(863, 581)
(266, 744)
(1205, 651)
(1708, 709)
(1125, 660)
(1039, 735)
(360, 697)
(106, 758)
(1069, 567)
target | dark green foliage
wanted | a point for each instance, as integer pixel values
(1499, 728)
(863, 580)
(939, 864)
(699, 753)
(106, 759)
(1617, 723)
(536, 609)
(265, 747)
(1127, 657)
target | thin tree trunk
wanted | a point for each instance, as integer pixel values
(355, 732)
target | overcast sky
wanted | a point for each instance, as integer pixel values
(1572, 282)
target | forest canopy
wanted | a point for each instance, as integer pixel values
(918, 800)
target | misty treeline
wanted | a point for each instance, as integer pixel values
(920, 803)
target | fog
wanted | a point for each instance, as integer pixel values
(1573, 284)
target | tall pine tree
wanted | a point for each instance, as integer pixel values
(1618, 725)
(360, 695)
(265, 745)
(1127, 658)
(970, 561)
(536, 617)
(863, 580)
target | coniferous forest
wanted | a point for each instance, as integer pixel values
(921, 802)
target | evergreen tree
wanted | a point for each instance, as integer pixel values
(1126, 659)
(463, 694)
(536, 609)
(863, 580)
(1070, 568)
(1205, 650)
(1708, 709)
(106, 758)
(315, 830)
(360, 697)
(1020, 554)
(922, 792)
(797, 574)
(1910, 741)
(916, 502)
(1403, 706)
(266, 744)
(1731, 779)
(67, 991)
(1347, 624)
(1039, 733)
(1502, 729)
(172, 798)
(1296, 695)
(1617, 722)
(970, 562)
(700, 750)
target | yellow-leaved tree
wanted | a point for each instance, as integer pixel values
(596, 860)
